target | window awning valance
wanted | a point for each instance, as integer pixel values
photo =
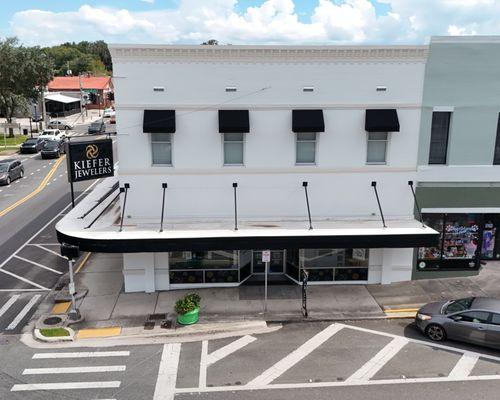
(382, 120)
(159, 121)
(234, 121)
(308, 121)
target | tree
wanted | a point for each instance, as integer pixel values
(24, 73)
(211, 42)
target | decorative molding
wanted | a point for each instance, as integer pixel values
(268, 54)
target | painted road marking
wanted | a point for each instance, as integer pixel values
(23, 312)
(8, 304)
(61, 308)
(219, 354)
(36, 191)
(23, 279)
(65, 386)
(74, 370)
(464, 366)
(295, 356)
(369, 370)
(49, 250)
(167, 372)
(202, 379)
(88, 354)
(38, 265)
(98, 332)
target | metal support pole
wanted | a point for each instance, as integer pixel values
(164, 186)
(265, 284)
(235, 185)
(410, 183)
(124, 189)
(74, 314)
(305, 277)
(374, 185)
(72, 189)
(307, 202)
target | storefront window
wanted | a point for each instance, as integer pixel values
(490, 247)
(435, 221)
(292, 264)
(336, 264)
(460, 236)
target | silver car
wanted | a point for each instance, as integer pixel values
(473, 319)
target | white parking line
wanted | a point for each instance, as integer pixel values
(376, 363)
(74, 370)
(219, 354)
(167, 373)
(65, 386)
(49, 250)
(89, 354)
(464, 366)
(8, 304)
(23, 279)
(38, 265)
(295, 356)
(23, 312)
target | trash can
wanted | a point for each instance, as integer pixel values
(25, 131)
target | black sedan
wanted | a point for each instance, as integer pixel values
(53, 149)
(32, 145)
(97, 127)
(10, 170)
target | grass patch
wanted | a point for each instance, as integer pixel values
(12, 141)
(54, 332)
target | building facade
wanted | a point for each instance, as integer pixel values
(459, 155)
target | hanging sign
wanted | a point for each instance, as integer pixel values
(90, 160)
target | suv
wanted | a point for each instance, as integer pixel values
(59, 124)
(52, 134)
(53, 149)
(32, 145)
(97, 127)
(10, 170)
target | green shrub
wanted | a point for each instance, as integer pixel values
(188, 303)
(54, 332)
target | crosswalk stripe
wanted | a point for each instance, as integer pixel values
(8, 304)
(167, 373)
(219, 354)
(23, 279)
(295, 356)
(38, 264)
(74, 370)
(376, 363)
(65, 386)
(464, 366)
(88, 354)
(23, 312)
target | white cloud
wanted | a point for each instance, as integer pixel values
(274, 21)
(148, 1)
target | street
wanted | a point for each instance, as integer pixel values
(30, 263)
(369, 359)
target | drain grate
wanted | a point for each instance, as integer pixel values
(148, 325)
(167, 324)
(52, 320)
(156, 317)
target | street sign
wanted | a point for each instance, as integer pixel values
(266, 256)
(90, 160)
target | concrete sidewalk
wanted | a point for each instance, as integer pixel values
(107, 305)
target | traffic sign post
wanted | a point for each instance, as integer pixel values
(266, 258)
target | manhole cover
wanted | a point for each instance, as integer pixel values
(148, 325)
(52, 320)
(154, 317)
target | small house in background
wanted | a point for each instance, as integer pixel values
(98, 90)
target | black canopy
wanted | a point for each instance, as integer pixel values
(159, 121)
(382, 120)
(234, 121)
(308, 121)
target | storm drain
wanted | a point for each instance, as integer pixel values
(52, 320)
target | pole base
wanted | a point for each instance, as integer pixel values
(74, 315)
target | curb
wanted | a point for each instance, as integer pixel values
(38, 336)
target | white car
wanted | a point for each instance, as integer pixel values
(108, 113)
(59, 124)
(52, 134)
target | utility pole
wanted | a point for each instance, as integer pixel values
(81, 96)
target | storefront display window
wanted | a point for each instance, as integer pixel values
(460, 236)
(336, 264)
(490, 248)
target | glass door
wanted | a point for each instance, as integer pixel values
(276, 265)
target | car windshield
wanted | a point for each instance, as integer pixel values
(51, 145)
(458, 305)
(51, 133)
(4, 167)
(95, 124)
(31, 141)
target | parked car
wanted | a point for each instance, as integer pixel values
(473, 319)
(108, 113)
(97, 127)
(36, 117)
(32, 145)
(52, 134)
(10, 170)
(59, 124)
(53, 149)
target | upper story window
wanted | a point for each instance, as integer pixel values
(233, 148)
(496, 158)
(376, 149)
(440, 129)
(306, 148)
(161, 146)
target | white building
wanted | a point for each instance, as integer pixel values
(201, 119)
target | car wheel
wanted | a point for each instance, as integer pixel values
(435, 332)
(21, 174)
(67, 127)
(8, 181)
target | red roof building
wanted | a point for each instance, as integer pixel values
(72, 83)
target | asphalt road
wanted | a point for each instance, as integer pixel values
(30, 264)
(365, 360)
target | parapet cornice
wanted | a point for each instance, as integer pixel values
(268, 54)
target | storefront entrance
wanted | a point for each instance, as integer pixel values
(276, 265)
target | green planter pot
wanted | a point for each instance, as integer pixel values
(189, 318)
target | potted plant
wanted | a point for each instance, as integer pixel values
(187, 309)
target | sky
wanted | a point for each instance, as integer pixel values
(50, 22)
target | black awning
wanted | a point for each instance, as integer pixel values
(234, 121)
(159, 121)
(382, 120)
(308, 121)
